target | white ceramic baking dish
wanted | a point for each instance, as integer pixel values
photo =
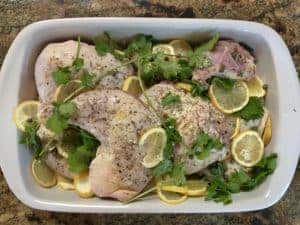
(274, 65)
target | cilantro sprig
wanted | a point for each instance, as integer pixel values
(203, 145)
(170, 99)
(31, 139)
(253, 110)
(63, 75)
(220, 187)
(167, 166)
(58, 121)
(81, 156)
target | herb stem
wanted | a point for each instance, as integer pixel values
(141, 195)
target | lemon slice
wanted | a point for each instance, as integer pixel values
(183, 86)
(247, 148)
(181, 47)
(237, 127)
(42, 174)
(65, 90)
(153, 143)
(25, 111)
(255, 86)
(164, 48)
(82, 185)
(267, 134)
(196, 187)
(229, 101)
(171, 187)
(65, 183)
(132, 86)
(170, 197)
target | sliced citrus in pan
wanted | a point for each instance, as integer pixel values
(229, 101)
(153, 143)
(42, 174)
(25, 111)
(247, 148)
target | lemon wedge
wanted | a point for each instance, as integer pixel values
(42, 174)
(65, 90)
(82, 185)
(132, 86)
(153, 143)
(267, 134)
(65, 183)
(229, 101)
(24, 112)
(181, 47)
(183, 86)
(164, 48)
(170, 197)
(247, 148)
(256, 87)
(196, 187)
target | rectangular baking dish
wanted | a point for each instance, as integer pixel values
(274, 65)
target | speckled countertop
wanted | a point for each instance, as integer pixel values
(282, 15)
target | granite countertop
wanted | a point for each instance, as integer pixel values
(282, 15)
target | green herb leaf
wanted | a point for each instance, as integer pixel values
(203, 145)
(140, 45)
(79, 160)
(62, 75)
(67, 109)
(178, 174)
(162, 168)
(31, 139)
(87, 80)
(253, 110)
(197, 58)
(83, 150)
(223, 82)
(220, 188)
(78, 63)
(57, 123)
(198, 89)
(104, 44)
(173, 135)
(170, 99)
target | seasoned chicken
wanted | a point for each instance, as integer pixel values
(230, 58)
(193, 115)
(117, 120)
(63, 54)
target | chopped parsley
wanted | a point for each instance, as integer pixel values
(253, 110)
(203, 145)
(220, 187)
(178, 174)
(31, 139)
(170, 99)
(58, 121)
